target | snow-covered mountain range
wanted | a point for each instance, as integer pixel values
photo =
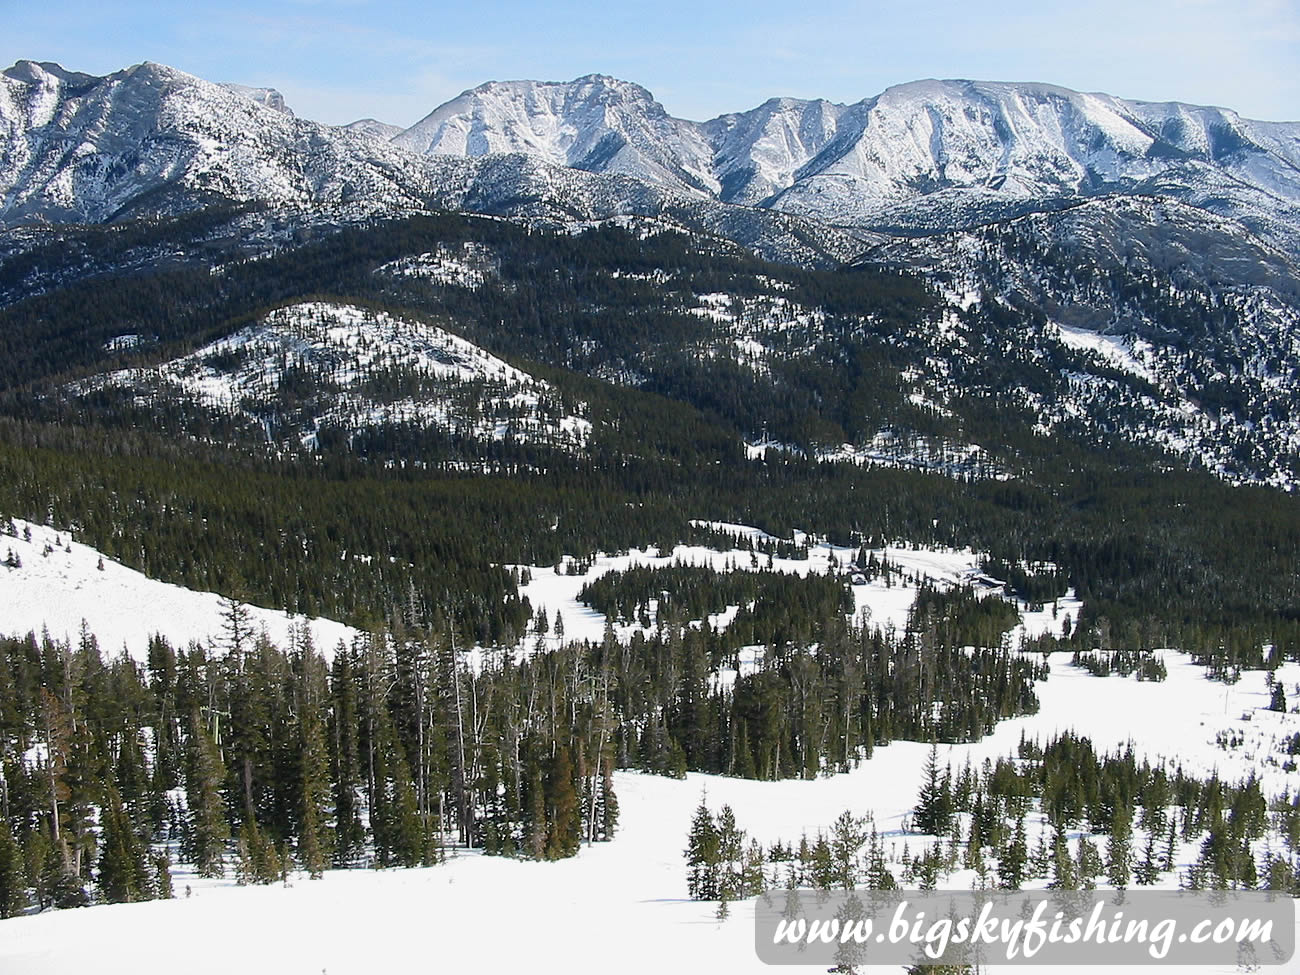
(1168, 232)
(150, 140)
(925, 155)
(920, 157)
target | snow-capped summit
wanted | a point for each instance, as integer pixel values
(595, 122)
(922, 157)
(373, 128)
(269, 97)
(931, 153)
(760, 152)
(149, 138)
(927, 155)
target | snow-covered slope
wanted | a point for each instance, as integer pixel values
(150, 138)
(596, 123)
(924, 155)
(60, 583)
(269, 97)
(318, 366)
(1162, 322)
(373, 128)
(623, 904)
(760, 152)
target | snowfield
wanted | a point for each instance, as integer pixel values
(616, 906)
(877, 603)
(622, 905)
(59, 585)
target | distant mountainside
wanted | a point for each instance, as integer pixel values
(919, 158)
(269, 97)
(930, 155)
(1144, 254)
(153, 141)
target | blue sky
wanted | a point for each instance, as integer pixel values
(337, 60)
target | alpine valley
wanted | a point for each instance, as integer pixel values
(603, 442)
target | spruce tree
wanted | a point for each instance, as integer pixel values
(1089, 863)
(564, 828)
(731, 844)
(313, 833)
(162, 876)
(1064, 873)
(259, 861)
(1147, 870)
(1119, 848)
(208, 827)
(349, 834)
(703, 852)
(13, 874)
(123, 876)
(933, 813)
(1171, 848)
(848, 836)
(1013, 859)
(406, 832)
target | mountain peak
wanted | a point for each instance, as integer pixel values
(595, 122)
(269, 97)
(37, 72)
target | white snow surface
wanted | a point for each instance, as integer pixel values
(876, 603)
(624, 900)
(1120, 352)
(623, 903)
(58, 590)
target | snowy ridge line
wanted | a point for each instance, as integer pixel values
(922, 155)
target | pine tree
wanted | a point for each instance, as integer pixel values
(1147, 871)
(349, 834)
(1278, 700)
(1089, 863)
(848, 836)
(1013, 859)
(162, 876)
(933, 813)
(822, 866)
(564, 830)
(879, 876)
(1041, 860)
(1119, 848)
(731, 845)
(208, 827)
(606, 806)
(1171, 848)
(313, 834)
(703, 852)
(259, 861)
(1064, 874)
(13, 874)
(406, 835)
(123, 876)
